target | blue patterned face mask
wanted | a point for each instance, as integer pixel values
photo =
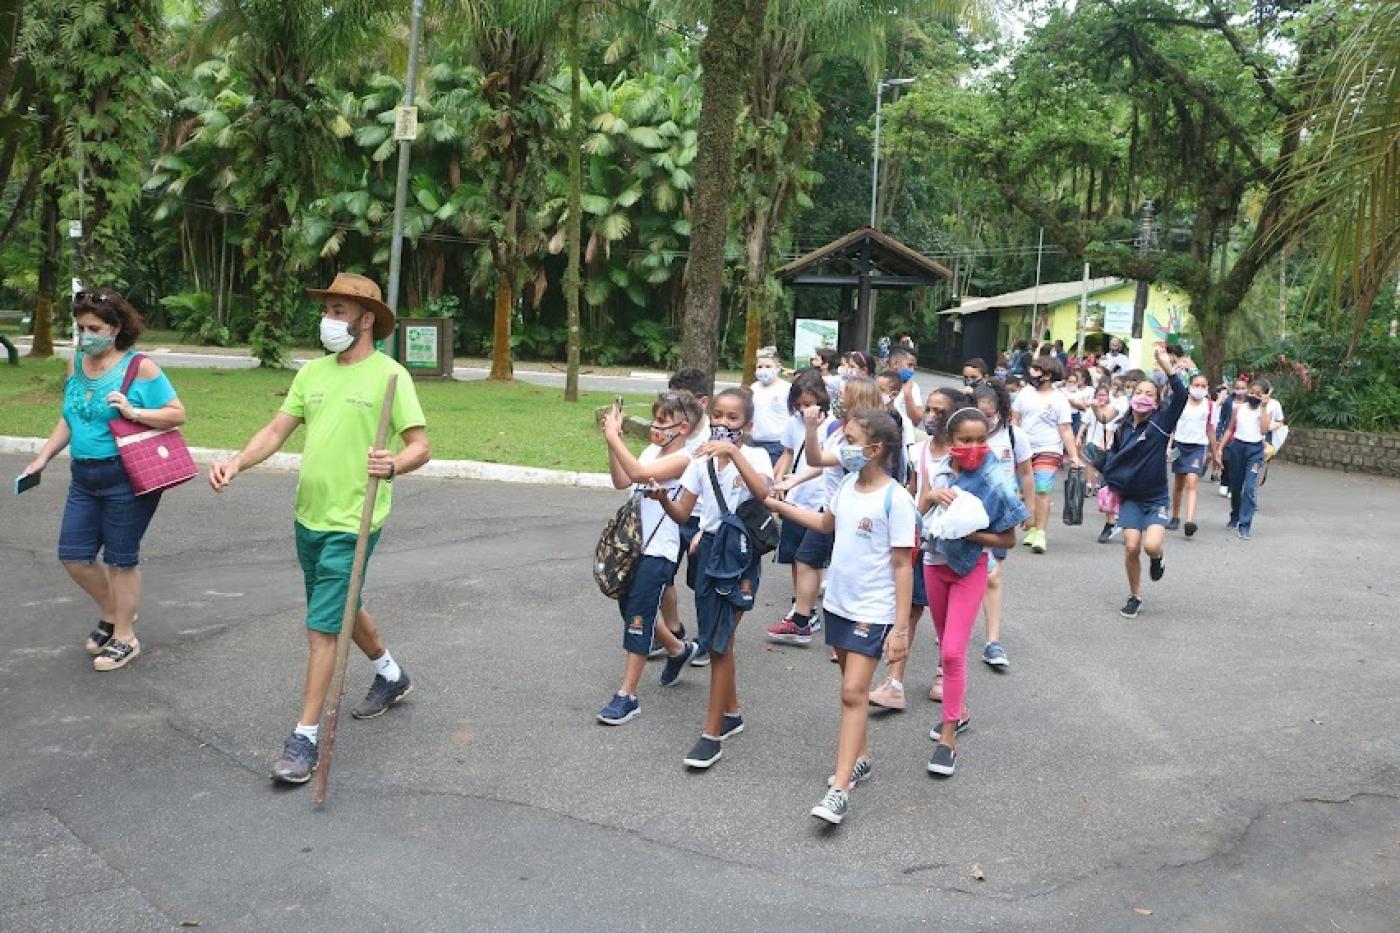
(94, 344)
(852, 457)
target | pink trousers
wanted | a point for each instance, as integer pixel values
(953, 601)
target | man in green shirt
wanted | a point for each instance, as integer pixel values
(338, 398)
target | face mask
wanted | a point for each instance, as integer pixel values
(906, 374)
(93, 344)
(838, 408)
(971, 381)
(1239, 393)
(667, 436)
(1035, 381)
(934, 425)
(888, 397)
(1255, 401)
(1143, 403)
(336, 335)
(993, 424)
(969, 458)
(719, 432)
(852, 457)
(766, 375)
(1198, 392)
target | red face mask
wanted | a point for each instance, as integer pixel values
(969, 458)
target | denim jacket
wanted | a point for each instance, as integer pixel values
(1004, 510)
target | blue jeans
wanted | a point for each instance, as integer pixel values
(1246, 458)
(102, 513)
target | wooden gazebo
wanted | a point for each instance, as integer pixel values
(859, 262)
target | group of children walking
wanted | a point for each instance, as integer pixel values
(893, 525)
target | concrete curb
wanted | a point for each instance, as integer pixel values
(434, 469)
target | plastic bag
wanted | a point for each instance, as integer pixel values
(1074, 496)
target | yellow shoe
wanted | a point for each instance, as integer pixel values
(1040, 545)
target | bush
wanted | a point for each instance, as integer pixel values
(1318, 385)
(193, 315)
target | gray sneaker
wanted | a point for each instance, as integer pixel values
(860, 772)
(382, 695)
(994, 655)
(944, 761)
(299, 757)
(833, 807)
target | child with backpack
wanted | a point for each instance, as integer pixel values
(660, 465)
(1012, 452)
(728, 564)
(870, 586)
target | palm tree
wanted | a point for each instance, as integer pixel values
(1349, 176)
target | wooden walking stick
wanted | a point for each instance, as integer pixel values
(352, 606)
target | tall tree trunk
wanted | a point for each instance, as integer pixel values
(1212, 327)
(726, 57)
(755, 293)
(505, 300)
(50, 245)
(574, 231)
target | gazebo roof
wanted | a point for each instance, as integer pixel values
(865, 250)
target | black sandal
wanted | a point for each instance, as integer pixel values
(99, 638)
(115, 654)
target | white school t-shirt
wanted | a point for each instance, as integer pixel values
(1011, 448)
(1247, 420)
(860, 583)
(770, 410)
(833, 476)
(656, 524)
(811, 494)
(699, 436)
(1100, 433)
(696, 480)
(1042, 413)
(901, 404)
(1192, 426)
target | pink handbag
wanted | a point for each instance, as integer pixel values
(154, 459)
(1109, 501)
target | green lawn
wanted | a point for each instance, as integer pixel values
(501, 423)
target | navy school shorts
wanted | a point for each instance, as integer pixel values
(640, 604)
(844, 634)
(716, 615)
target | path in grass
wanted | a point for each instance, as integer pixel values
(513, 423)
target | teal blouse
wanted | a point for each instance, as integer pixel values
(86, 410)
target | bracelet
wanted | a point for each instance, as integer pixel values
(904, 633)
(393, 471)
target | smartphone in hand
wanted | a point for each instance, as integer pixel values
(26, 482)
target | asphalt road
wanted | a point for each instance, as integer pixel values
(1227, 761)
(636, 382)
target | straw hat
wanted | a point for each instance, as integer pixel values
(361, 289)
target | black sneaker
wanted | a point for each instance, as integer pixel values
(1157, 568)
(1106, 533)
(944, 761)
(936, 733)
(704, 753)
(299, 757)
(676, 665)
(1190, 529)
(732, 726)
(1130, 608)
(1174, 524)
(382, 695)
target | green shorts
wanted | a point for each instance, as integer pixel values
(325, 558)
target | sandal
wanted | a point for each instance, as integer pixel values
(116, 654)
(99, 637)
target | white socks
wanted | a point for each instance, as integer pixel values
(311, 732)
(385, 666)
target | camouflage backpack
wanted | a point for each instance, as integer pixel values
(619, 548)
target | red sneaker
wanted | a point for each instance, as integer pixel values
(786, 632)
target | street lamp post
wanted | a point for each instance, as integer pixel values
(401, 186)
(880, 86)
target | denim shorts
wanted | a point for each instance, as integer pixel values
(815, 549)
(789, 539)
(1190, 458)
(1139, 515)
(102, 513)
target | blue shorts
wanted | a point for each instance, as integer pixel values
(102, 513)
(789, 539)
(642, 600)
(775, 448)
(815, 549)
(688, 532)
(1139, 515)
(716, 615)
(920, 597)
(860, 637)
(1190, 458)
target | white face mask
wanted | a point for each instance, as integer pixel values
(336, 335)
(766, 375)
(1198, 392)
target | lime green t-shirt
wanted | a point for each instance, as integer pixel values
(340, 406)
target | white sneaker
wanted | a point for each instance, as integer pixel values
(833, 807)
(1224, 492)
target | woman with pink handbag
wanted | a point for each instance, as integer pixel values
(109, 384)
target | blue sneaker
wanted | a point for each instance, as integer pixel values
(702, 657)
(1243, 533)
(676, 664)
(704, 753)
(619, 710)
(733, 725)
(382, 695)
(994, 655)
(1231, 525)
(299, 758)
